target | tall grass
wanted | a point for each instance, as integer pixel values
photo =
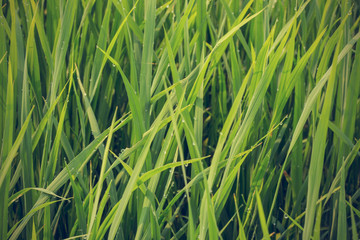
(144, 119)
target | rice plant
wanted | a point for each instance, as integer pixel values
(179, 119)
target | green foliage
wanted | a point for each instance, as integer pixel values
(145, 119)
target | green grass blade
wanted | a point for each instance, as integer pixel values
(264, 228)
(13, 151)
(317, 155)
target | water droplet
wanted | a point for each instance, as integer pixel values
(164, 152)
(193, 143)
(113, 65)
(286, 216)
(221, 133)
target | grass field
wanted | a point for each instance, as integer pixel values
(180, 119)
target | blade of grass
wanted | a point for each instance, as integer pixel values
(317, 155)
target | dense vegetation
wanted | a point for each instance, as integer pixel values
(206, 119)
